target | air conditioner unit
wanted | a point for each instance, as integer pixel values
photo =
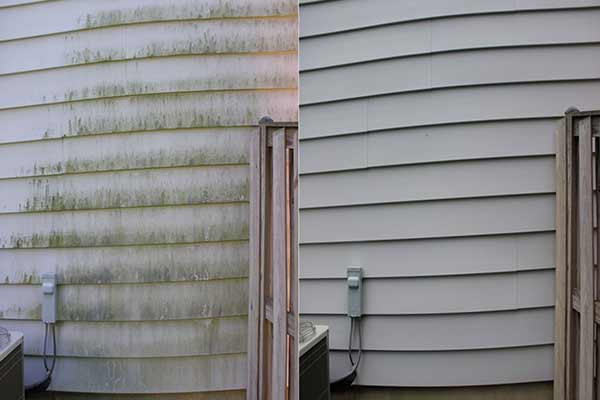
(11, 366)
(314, 365)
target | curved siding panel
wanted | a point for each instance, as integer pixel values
(124, 169)
(71, 15)
(451, 34)
(446, 331)
(451, 368)
(427, 135)
(328, 17)
(165, 39)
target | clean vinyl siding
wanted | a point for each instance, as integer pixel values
(427, 138)
(124, 168)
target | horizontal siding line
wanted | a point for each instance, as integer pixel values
(27, 3)
(193, 243)
(152, 22)
(461, 50)
(111, 322)
(126, 170)
(421, 163)
(150, 357)
(132, 283)
(136, 132)
(440, 199)
(452, 314)
(478, 121)
(438, 17)
(453, 350)
(140, 357)
(205, 92)
(429, 237)
(381, 203)
(450, 87)
(124, 60)
(447, 275)
(123, 321)
(302, 3)
(77, 210)
(429, 314)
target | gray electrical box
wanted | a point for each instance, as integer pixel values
(354, 279)
(49, 297)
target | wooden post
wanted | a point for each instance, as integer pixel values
(561, 303)
(272, 343)
(577, 247)
(279, 263)
(586, 263)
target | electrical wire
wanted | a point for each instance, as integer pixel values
(44, 383)
(346, 381)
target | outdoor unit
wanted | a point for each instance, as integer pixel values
(11, 365)
(314, 365)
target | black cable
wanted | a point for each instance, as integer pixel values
(345, 382)
(42, 385)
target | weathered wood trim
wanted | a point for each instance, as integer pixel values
(276, 375)
(294, 274)
(279, 265)
(254, 302)
(560, 264)
(586, 262)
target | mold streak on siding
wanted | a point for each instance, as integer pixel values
(427, 140)
(124, 169)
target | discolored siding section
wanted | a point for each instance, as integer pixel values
(427, 139)
(124, 169)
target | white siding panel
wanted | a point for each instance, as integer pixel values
(152, 225)
(474, 67)
(123, 168)
(430, 257)
(149, 40)
(461, 142)
(161, 301)
(127, 264)
(117, 152)
(425, 104)
(448, 218)
(444, 332)
(450, 34)
(327, 17)
(445, 106)
(69, 15)
(433, 295)
(139, 339)
(148, 112)
(428, 144)
(333, 154)
(450, 368)
(220, 395)
(148, 375)
(186, 74)
(154, 187)
(429, 182)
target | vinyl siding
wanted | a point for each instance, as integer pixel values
(427, 139)
(124, 169)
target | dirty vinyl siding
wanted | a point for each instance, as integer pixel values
(124, 169)
(427, 139)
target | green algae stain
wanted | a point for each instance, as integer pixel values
(189, 10)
